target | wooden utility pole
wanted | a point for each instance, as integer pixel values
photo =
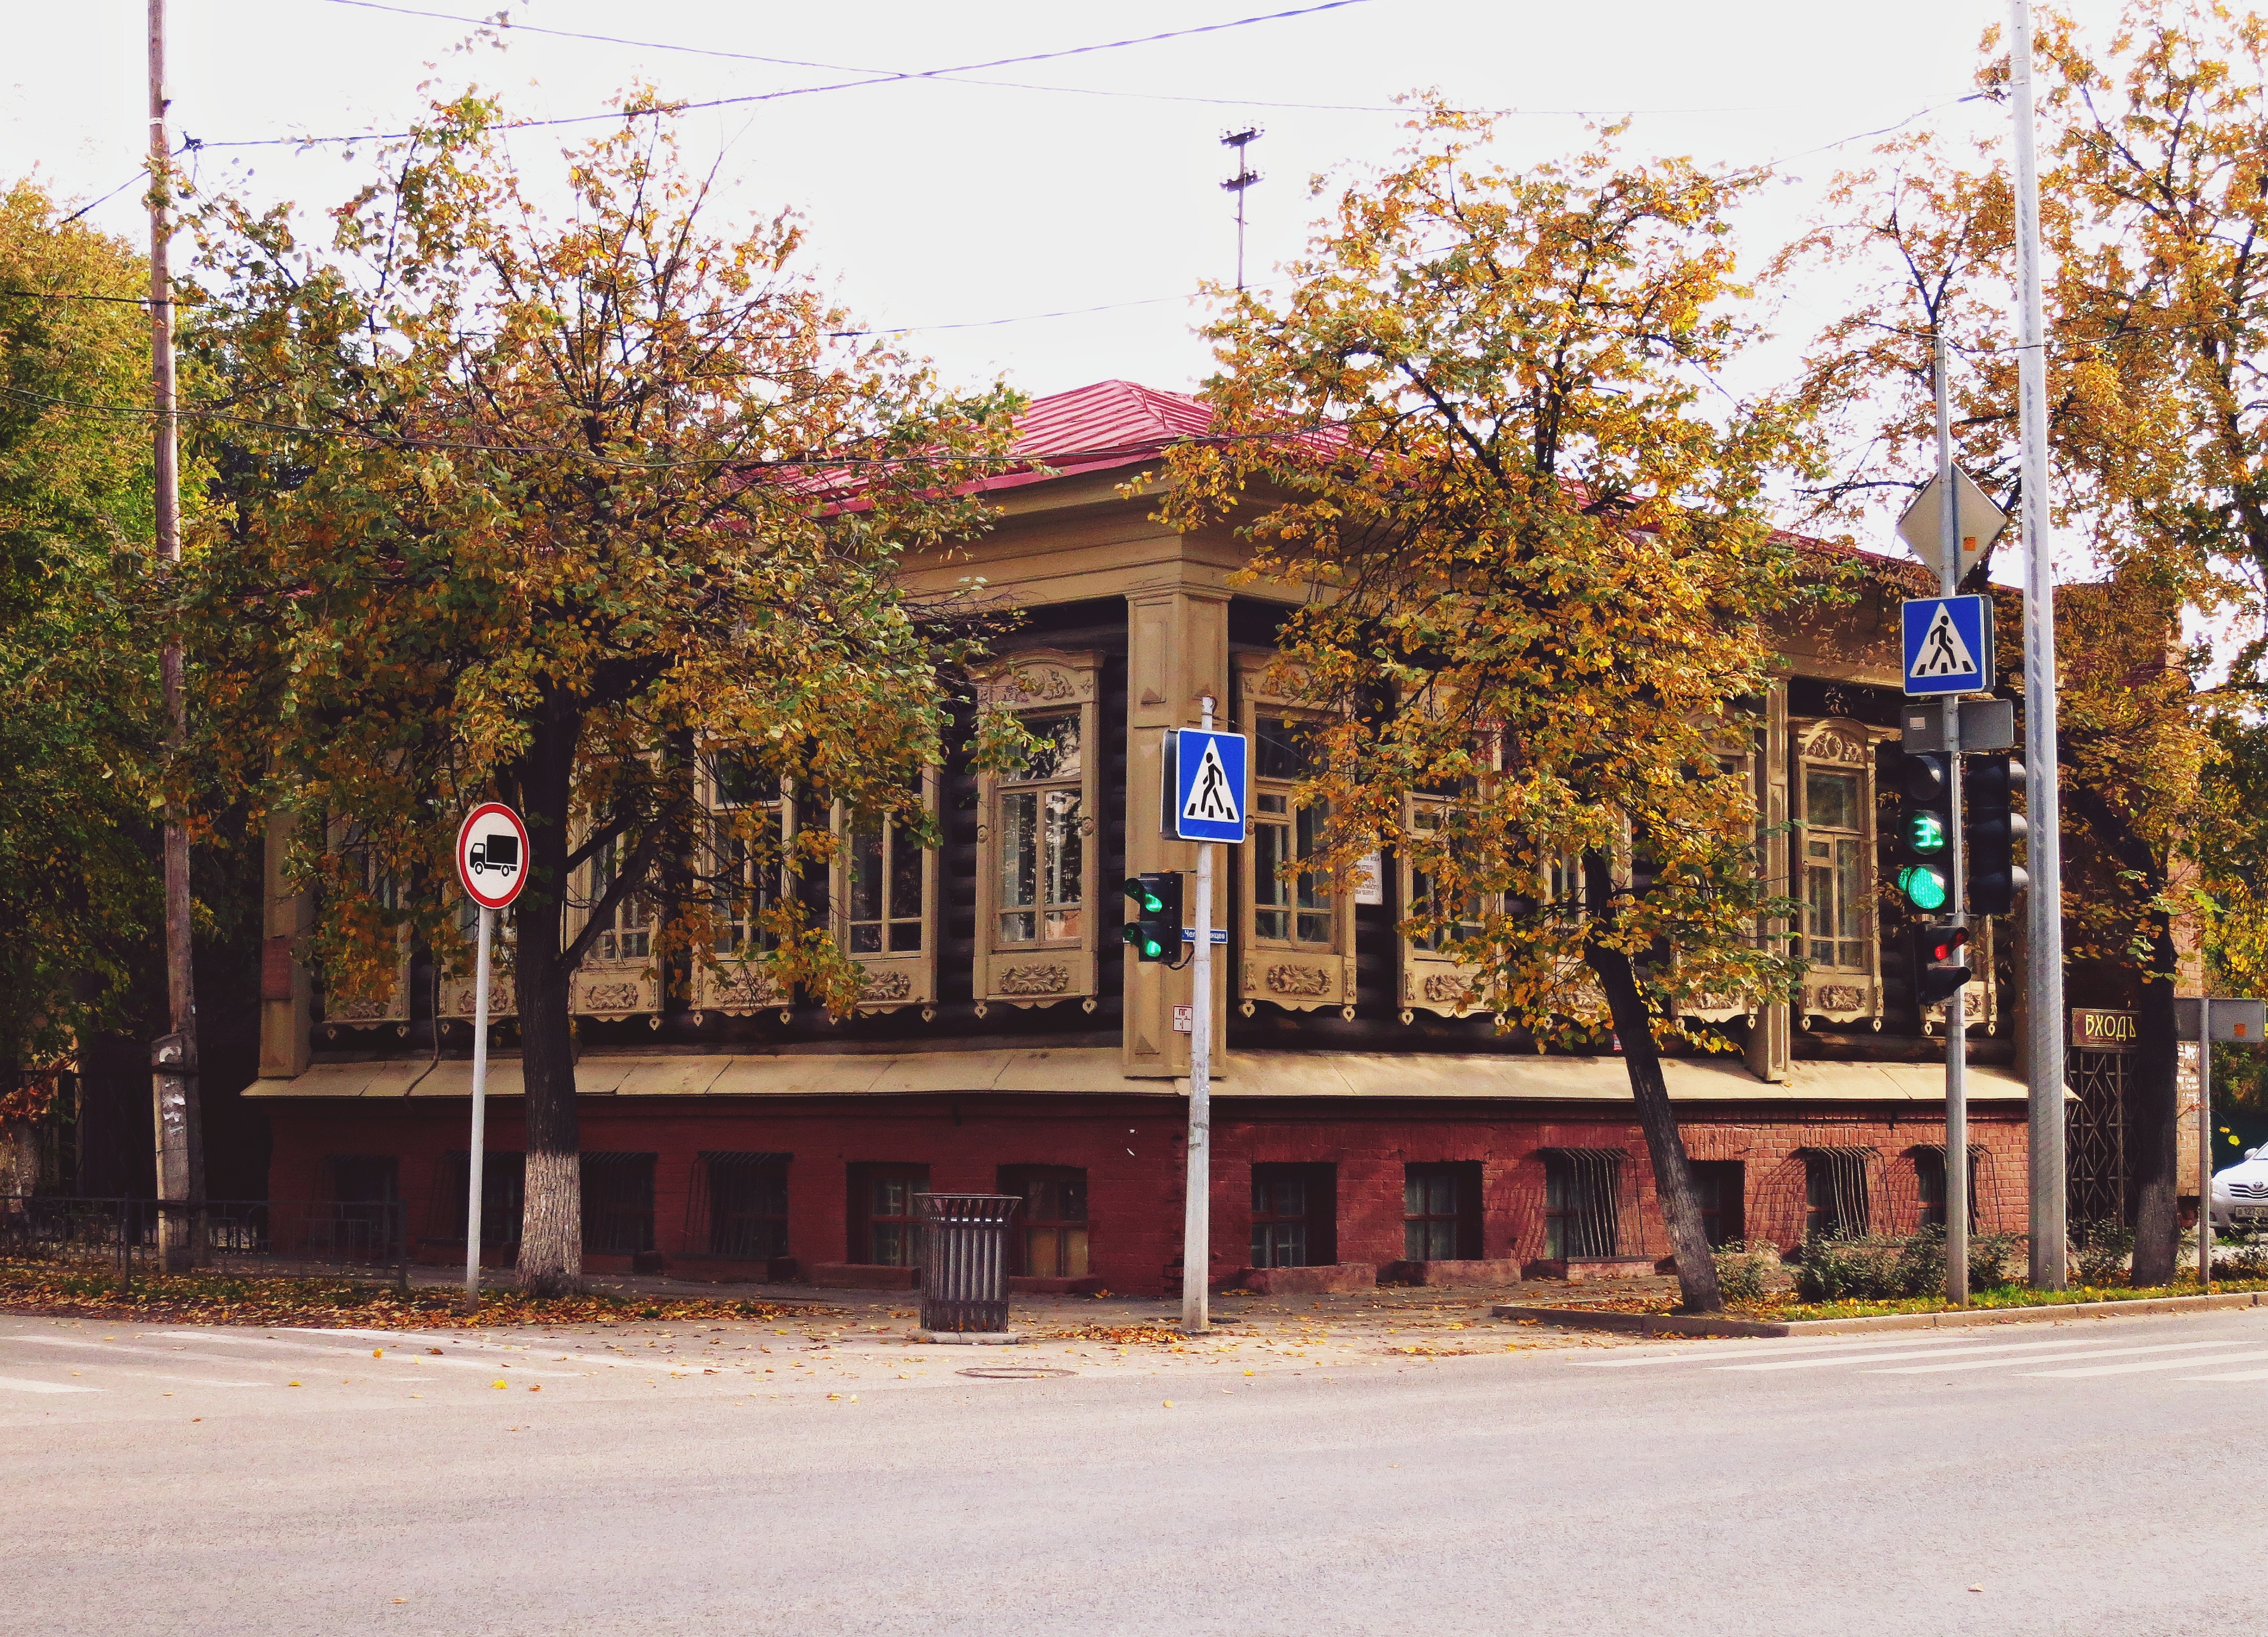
(178, 1125)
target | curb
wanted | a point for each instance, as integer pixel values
(1682, 1324)
(970, 1337)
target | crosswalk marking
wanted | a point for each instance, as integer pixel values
(2153, 1364)
(129, 1348)
(344, 1352)
(1997, 1364)
(408, 1337)
(2233, 1375)
(1877, 1358)
(17, 1383)
(1696, 1352)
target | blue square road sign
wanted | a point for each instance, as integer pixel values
(1210, 792)
(1948, 644)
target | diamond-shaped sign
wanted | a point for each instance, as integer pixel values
(1923, 523)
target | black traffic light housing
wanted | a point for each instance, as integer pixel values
(1995, 829)
(1940, 964)
(1155, 928)
(1925, 849)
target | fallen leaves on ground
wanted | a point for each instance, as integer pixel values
(227, 1299)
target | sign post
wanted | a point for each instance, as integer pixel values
(2239, 1022)
(1210, 800)
(491, 867)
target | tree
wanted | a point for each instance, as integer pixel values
(1541, 579)
(581, 513)
(78, 723)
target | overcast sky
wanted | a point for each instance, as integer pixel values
(1090, 182)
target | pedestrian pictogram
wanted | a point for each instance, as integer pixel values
(1948, 644)
(1209, 786)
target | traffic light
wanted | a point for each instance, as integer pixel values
(1924, 855)
(1155, 932)
(1943, 966)
(1994, 828)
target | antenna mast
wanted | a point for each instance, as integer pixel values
(1244, 178)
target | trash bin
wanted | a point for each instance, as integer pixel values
(964, 1261)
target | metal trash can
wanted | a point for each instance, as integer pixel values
(964, 1261)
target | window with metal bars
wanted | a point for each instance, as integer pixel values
(1442, 1211)
(617, 1203)
(1835, 1197)
(1929, 1180)
(1720, 1188)
(1582, 1202)
(504, 1183)
(740, 1205)
(1294, 1215)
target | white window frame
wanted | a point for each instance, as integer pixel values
(393, 1006)
(609, 984)
(1431, 981)
(1042, 682)
(1843, 992)
(737, 982)
(893, 978)
(1299, 974)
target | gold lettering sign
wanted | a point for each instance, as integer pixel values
(2095, 1031)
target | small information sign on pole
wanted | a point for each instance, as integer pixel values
(2233, 1021)
(491, 867)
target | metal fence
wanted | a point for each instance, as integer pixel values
(135, 1236)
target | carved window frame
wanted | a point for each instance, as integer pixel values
(1040, 682)
(1286, 972)
(393, 1007)
(1431, 981)
(1840, 993)
(893, 978)
(608, 984)
(1736, 754)
(457, 994)
(736, 982)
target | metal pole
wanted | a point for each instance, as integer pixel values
(179, 1123)
(1957, 1005)
(2043, 907)
(1197, 1219)
(2205, 1144)
(475, 1164)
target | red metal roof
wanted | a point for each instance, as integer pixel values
(1088, 429)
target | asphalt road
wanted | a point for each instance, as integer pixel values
(2094, 1478)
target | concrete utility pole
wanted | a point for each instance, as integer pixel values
(2044, 906)
(1238, 184)
(1197, 1216)
(179, 1119)
(1956, 1004)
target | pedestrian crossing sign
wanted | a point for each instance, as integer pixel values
(1209, 786)
(1948, 644)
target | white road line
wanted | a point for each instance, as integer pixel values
(125, 1347)
(2233, 1375)
(17, 1383)
(342, 1352)
(1999, 1364)
(2155, 1364)
(1702, 1354)
(1886, 1358)
(624, 1362)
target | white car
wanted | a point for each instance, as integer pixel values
(2240, 1193)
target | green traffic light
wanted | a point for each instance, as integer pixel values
(1152, 949)
(1925, 888)
(1926, 833)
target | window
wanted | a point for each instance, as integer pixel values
(617, 1203)
(744, 884)
(1582, 1202)
(1037, 852)
(1430, 900)
(1299, 931)
(629, 932)
(1834, 1192)
(884, 866)
(1433, 978)
(1836, 872)
(1051, 1229)
(1442, 1211)
(1833, 783)
(746, 1199)
(1293, 1215)
(1929, 1178)
(1043, 847)
(886, 1219)
(504, 1178)
(1720, 1186)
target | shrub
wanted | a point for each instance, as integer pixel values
(2102, 1250)
(1883, 1269)
(1750, 1269)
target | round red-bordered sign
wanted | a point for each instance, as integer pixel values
(492, 855)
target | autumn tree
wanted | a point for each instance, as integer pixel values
(581, 509)
(79, 727)
(1482, 423)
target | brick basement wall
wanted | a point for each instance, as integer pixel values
(1132, 1150)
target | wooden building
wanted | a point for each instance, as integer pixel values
(1362, 1117)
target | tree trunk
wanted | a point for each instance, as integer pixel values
(551, 1219)
(2153, 1112)
(1664, 1144)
